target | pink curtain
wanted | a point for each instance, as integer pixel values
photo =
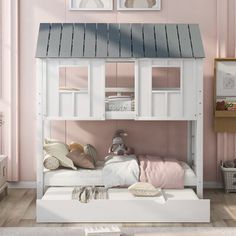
(9, 83)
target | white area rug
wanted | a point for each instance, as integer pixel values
(126, 231)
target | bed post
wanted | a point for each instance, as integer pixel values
(189, 143)
(199, 128)
(40, 67)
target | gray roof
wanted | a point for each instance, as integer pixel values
(91, 40)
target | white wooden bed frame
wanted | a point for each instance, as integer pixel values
(185, 104)
(192, 114)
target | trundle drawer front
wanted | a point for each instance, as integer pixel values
(123, 211)
(113, 210)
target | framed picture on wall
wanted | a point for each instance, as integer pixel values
(138, 5)
(225, 95)
(226, 77)
(91, 5)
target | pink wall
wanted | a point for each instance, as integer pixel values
(164, 138)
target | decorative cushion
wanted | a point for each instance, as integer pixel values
(73, 146)
(51, 163)
(59, 150)
(91, 150)
(48, 141)
(141, 189)
(81, 159)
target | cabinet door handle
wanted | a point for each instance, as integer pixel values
(4, 171)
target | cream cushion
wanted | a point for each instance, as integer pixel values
(51, 163)
(141, 189)
(59, 150)
(48, 141)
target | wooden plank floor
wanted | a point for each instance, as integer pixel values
(18, 209)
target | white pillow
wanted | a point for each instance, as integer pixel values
(59, 150)
(141, 189)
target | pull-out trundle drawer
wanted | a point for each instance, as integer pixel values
(121, 206)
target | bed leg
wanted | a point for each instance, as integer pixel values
(200, 190)
(39, 190)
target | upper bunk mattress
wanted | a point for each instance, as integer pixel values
(84, 177)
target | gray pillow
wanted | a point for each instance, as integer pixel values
(91, 150)
(81, 159)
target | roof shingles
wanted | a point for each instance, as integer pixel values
(91, 40)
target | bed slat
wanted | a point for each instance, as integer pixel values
(173, 41)
(102, 39)
(149, 40)
(90, 40)
(66, 40)
(55, 40)
(161, 41)
(114, 41)
(185, 41)
(137, 40)
(198, 50)
(42, 46)
(78, 41)
(125, 40)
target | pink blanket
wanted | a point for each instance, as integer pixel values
(163, 173)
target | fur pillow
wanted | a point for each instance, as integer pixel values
(73, 146)
(59, 150)
(51, 163)
(141, 189)
(91, 150)
(81, 159)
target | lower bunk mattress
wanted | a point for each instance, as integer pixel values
(84, 177)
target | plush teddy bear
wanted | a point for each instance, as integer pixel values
(118, 146)
(220, 106)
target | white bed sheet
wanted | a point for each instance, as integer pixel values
(80, 177)
(83, 177)
(190, 178)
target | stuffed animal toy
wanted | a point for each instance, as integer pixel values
(220, 106)
(118, 146)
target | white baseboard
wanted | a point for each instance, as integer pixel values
(212, 185)
(22, 184)
(33, 184)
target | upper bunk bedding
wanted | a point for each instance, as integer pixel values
(116, 172)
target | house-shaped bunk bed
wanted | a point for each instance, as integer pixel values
(149, 47)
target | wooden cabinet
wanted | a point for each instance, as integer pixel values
(225, 95)
(3, 174)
